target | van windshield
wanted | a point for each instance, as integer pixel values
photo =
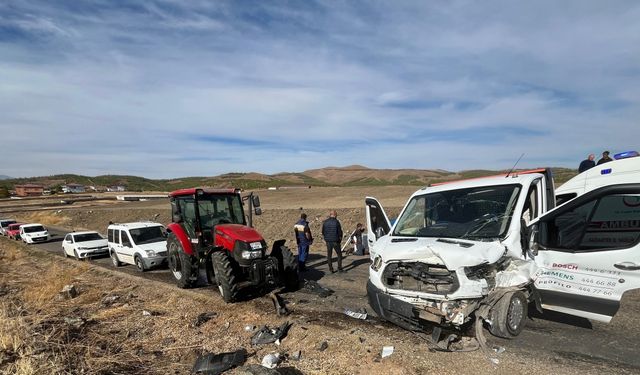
(480, 213)
(141, 236)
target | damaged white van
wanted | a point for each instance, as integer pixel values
(480, 250)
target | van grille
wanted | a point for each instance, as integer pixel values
(420, 277)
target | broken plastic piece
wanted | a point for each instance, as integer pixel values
(387, 351)
(214, 364)
(499, 349)
(266, 335)
(204, 317)
(249, 328)
(323, 346)
(296, 356)
(271, 360)
(311, 286)
(278, 304)
(360, 314)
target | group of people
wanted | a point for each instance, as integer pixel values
(332, 235)
(589, 162)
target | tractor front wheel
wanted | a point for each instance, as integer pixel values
(288, 265)
(179, 262)
(224, 276)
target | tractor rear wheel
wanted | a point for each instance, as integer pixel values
(288, 265)
(225, 278)
(179, 262)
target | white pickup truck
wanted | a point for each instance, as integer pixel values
(480, 250)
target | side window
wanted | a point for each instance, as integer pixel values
(531, 205)
(563, 198)
(67, 238)
(610, 222)
(125, 239)
(116, 236)
(110, 235)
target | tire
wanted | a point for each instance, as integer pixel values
(64, 253)
(288, 265)
(75, 254)
(139, 263)
(225, 278)
(114, 259)
(179, 263)
(508, 316)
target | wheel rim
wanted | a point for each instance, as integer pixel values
(174, 262)
(114, 259)
(139, 264)
(516, 313)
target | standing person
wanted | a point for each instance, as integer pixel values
(587, 164)
(605, 158)
(332, 234)
(356, 240)
(304, 240)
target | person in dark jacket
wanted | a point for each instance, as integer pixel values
(304, 239)
(605, 158)
(332, 234)
(587, 164)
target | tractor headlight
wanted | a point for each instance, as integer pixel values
(251, 254)
(150, 253)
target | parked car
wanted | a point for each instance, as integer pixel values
(84, 245)
(33, 233)
(143, 244)
(4, 224)
(478, 251)
(13, 231)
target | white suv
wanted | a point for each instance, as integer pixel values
(143, 244)
(84, 245)
(32, 233)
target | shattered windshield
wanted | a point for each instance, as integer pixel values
(480, 213)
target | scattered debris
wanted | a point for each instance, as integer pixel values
(203, 318)
(150, 313)
(311, 286)
(358, 314)
(296, 356)
(271, 360)
(387, 351)
(278, 304)
(227, 325)
(74, 322)
(146, 313)
(214, 364)
(69, 292)
(249, 328)
(499, 349)
(362, 340)
(266, 335)
(323, 346)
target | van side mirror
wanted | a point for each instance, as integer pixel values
(256, 202)
(176, 218)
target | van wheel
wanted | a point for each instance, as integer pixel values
(508, 316)
(114, 259)
(179, 262)
(139, 263)
(224, 276)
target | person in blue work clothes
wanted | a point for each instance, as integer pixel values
(304, 240)
(332, 234)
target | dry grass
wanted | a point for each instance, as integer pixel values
(46, 218)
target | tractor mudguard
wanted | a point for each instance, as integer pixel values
(176, 229)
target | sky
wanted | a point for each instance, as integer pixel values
(171, 88)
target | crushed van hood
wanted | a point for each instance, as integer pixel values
(451, 253)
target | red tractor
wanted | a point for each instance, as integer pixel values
(209, 230)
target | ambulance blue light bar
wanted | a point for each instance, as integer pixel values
(625, 155)
(606, 171)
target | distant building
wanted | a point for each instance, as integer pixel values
(29, 190)
(73, 188)
(117, 188)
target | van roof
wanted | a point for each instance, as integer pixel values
(135, 225)
(483, 181)
(32, 225)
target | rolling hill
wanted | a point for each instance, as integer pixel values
(354, 175)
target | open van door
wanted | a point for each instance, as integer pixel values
(377, 223)
(587, 252)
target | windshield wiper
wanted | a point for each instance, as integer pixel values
(481, 223)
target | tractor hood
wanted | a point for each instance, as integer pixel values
(451, 253)
(238, 232)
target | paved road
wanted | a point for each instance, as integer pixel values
(554, 337)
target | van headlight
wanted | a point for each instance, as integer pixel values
(377, 263)
(251, 254)
(150, 253)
